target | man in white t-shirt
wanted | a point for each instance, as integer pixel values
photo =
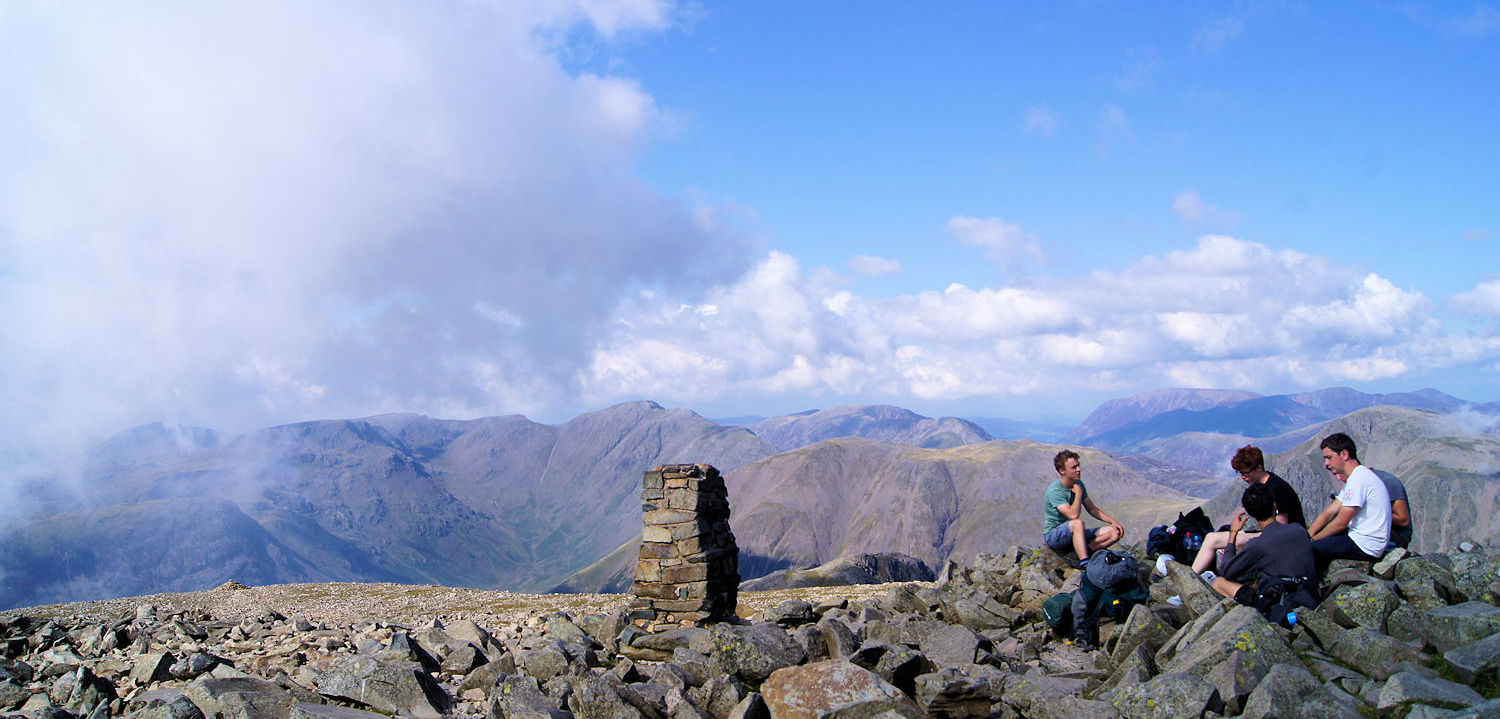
(1357, 523)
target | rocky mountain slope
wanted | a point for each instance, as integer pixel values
(882, 422)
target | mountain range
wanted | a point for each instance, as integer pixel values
(505, 502)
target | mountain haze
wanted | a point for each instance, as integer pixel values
(882, 422)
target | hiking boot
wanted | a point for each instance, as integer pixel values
(1175, 600)
(1209, 577)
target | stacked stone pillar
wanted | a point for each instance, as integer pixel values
(688, 571)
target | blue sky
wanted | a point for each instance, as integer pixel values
(243, 214)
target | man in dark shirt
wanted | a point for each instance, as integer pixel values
(1250, 463)
(1401, 524)
(1283, 550)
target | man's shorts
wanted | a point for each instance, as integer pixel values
(1060, 539)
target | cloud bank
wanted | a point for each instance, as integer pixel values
(241, 213)
(1223, 313)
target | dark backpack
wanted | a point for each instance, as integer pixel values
(1058, 611)
(1278, 598)
(1182, 538)
(1111, 587)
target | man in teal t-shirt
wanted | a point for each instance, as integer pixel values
(1067, 499)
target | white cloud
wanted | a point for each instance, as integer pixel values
(1191, 209)
(240, 213)
(871, 266)
(1114, 126)
(1223, 313)
(1040, 121)
(1484, 299)
(1005, 243)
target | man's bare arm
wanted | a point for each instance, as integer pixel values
(1324, 517)
(1400, 513)
(1339, 523)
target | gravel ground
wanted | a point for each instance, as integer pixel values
(400, 604)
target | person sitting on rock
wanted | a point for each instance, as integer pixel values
(1250, 463)
(1062, 521)
(1282, 557)
(1401, 524)
(1357, 523)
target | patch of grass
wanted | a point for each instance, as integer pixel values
(1488, 684)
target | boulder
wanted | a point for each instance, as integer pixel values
(1141, 627)
(1426, 584)
(1372, 653)
(1477, 661)
(391, 687)
(595, 696)
(330, 711)
(753, 652)
(1412, 688)
(1169, 696)
(1289, 691)
(1234, 654)
(953, 694)
(1460, 624)
(521, 697)
(833, 689)
(1196, 595)
(240, 697)
(948, 645)
(1363, 605)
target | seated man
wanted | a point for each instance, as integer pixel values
(1250, 463)
(1062, 520)
(1357, 523)
(1282, 555)
(1401, 525)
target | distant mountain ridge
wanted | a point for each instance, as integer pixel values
(505, 502)
(882, 422)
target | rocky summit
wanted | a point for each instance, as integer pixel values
(1413, 635)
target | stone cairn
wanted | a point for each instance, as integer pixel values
(688, 571)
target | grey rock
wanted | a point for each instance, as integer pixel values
(833, 689)
(948, 645)
(1141, 627)
(543, 663)
(462, 660)
(753, 652)
(1411, 688)
(695, 638)
(594, 696)
(953, 693)
(484, 677)
(240, 697)
(1169, 696)
(1196, 595)
(1372, 653)
(330, 711)
(1426, 584)
(976, 609)
(384, 686)
(1289, 691)
(1136, 667)
(812, 641)
(1460, 624)
(1476, 661)
(901, 666)
(1234, 654)
(718, 696)
(151, 668)
(790, 613)
(177, 707)
(1386, 567)
(1363, 605)
(838, 637)
(193, 665)
(560, 626)
(753, 706)
(1038, 694)
(698, 668)
(520, 697)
